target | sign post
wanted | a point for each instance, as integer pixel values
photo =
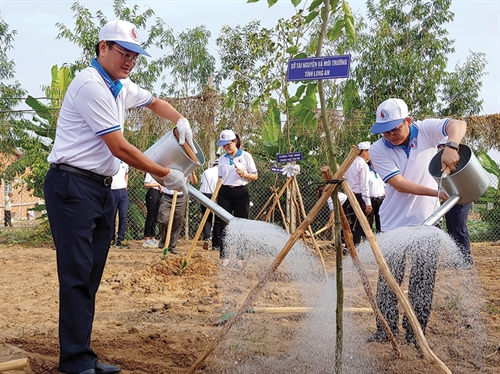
(326, 67)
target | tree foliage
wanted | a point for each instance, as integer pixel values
(404, 53)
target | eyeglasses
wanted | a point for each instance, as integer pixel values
(126, 55)
(395, 131)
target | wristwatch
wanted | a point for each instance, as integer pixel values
(452, 145)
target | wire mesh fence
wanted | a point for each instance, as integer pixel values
(27, 211)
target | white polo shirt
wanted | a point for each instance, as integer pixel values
(375, 184)
(227, 169)
(119, 179)
(357, 177)
(403, 209)
(209, 180)
(148, 179)
(90, 110)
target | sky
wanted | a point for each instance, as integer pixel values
(476, 28)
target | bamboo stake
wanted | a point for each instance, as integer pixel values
(276, 200)
(429, 355)
(359, 268)
(252, 296)
(273, 192)
(315, 243)
(200, 228)
(170, 223)
(13, 364)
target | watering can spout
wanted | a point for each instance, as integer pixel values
(217, 209)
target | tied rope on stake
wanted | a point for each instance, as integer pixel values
(291, 170)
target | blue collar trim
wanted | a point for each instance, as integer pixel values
(411, 141)
(239, 153)
(114, 87)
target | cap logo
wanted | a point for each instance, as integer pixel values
(133, 32)
(384, 114)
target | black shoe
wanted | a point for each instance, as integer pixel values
(378, 337)
(119, 244)
(88, 371)
(161, 245)
(101, 368)
(173, 251)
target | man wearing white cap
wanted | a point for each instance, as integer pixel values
(401, 157)
(357, 177)
(88, 147)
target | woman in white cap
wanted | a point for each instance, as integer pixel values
(236, 169)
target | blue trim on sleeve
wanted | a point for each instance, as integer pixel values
(149, 102)
(393, 174)
(443, 130)
(110, 130)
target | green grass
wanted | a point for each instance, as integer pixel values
(35, 236)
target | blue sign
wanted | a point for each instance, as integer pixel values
(276, 169)
(288, 157)
(327, 67)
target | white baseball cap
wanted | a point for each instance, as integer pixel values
(226, 137)
(389, 115)
(124, 34)
(364, 145)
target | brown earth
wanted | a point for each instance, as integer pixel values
(151, 320)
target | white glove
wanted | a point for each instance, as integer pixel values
(185, 133)
(291, 170)
(175, 180)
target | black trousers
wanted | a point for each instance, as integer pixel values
(7, 218)
(207, 228)
(420, 288)
(456, 225)
(153, 197)
(237, 202)
(357, 230)
(374, 215)
(81, 219)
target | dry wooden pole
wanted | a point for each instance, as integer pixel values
(361, 271)
(254, 293)
(200, 229)
(170, 223)
(277, 199)
(429, 355)
(273, 193)
(13, 365)
(303, 209)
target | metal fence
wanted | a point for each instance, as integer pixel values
(483, 223)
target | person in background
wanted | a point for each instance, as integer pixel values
(401, 157)
(456, 224)
(7, 215)
(357, 178)
(179, 211)
(209, 180)
(342, 197)
(120, 197)
(88, 145)
(376, 186)
(153, 196)
(236, 169)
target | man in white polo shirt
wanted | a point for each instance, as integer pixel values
(402, 157)
(357, 178)
(87, 150)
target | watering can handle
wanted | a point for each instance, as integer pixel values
(186, 147)
(446, 172)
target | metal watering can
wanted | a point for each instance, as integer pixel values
(169, 153)
(466, 184)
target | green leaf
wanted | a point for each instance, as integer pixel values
(270, 3)
(252, 1)
(315, 4)
(334, 33)
(292, 50)
(295, 3)
(311, 16)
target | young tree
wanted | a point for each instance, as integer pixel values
(10, 93)
(461, 88)
(404, 53)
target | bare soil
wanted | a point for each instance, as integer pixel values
(150, 320)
